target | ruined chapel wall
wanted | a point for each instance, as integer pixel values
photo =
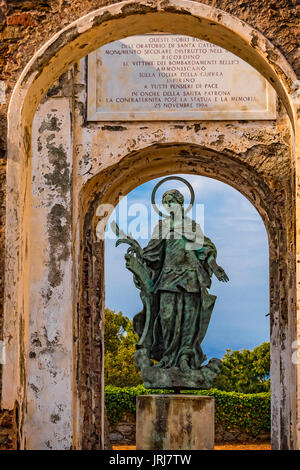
(95, 147)
(26, 26)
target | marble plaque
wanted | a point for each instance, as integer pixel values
(173, 77)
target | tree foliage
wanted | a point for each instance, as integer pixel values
(245, 371)
(119, 349)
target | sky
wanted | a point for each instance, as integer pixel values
(232, 223)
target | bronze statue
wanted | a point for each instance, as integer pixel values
(173, 273)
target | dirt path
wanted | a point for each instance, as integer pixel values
(221, 446)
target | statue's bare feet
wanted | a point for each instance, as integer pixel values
(184, 365)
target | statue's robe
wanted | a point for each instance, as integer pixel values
(180, 308)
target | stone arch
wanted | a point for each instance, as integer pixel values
(56, 56)
(149, 163)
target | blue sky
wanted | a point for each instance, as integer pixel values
(233, 224)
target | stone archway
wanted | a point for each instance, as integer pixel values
(72, 43)
(115, 182)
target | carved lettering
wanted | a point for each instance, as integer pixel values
(131, 79)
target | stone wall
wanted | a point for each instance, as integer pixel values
(7, 431)
(26, 25)
(123, 433)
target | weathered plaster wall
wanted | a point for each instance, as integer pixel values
(25, 27)
(263, 145)
(50, 328)
(91, 149)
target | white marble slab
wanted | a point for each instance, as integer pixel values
(174, 77)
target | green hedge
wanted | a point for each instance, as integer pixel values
(248, 412)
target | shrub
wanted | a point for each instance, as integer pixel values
(249, 413)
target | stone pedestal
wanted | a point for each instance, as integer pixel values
(175, 422)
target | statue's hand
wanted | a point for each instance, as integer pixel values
(141, 275)
(220, 274)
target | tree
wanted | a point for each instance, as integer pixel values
(119, 349)
(245, 371)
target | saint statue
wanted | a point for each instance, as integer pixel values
(173, 273)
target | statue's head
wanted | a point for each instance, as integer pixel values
(173, 200)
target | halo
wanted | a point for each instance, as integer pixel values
(178, 178)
